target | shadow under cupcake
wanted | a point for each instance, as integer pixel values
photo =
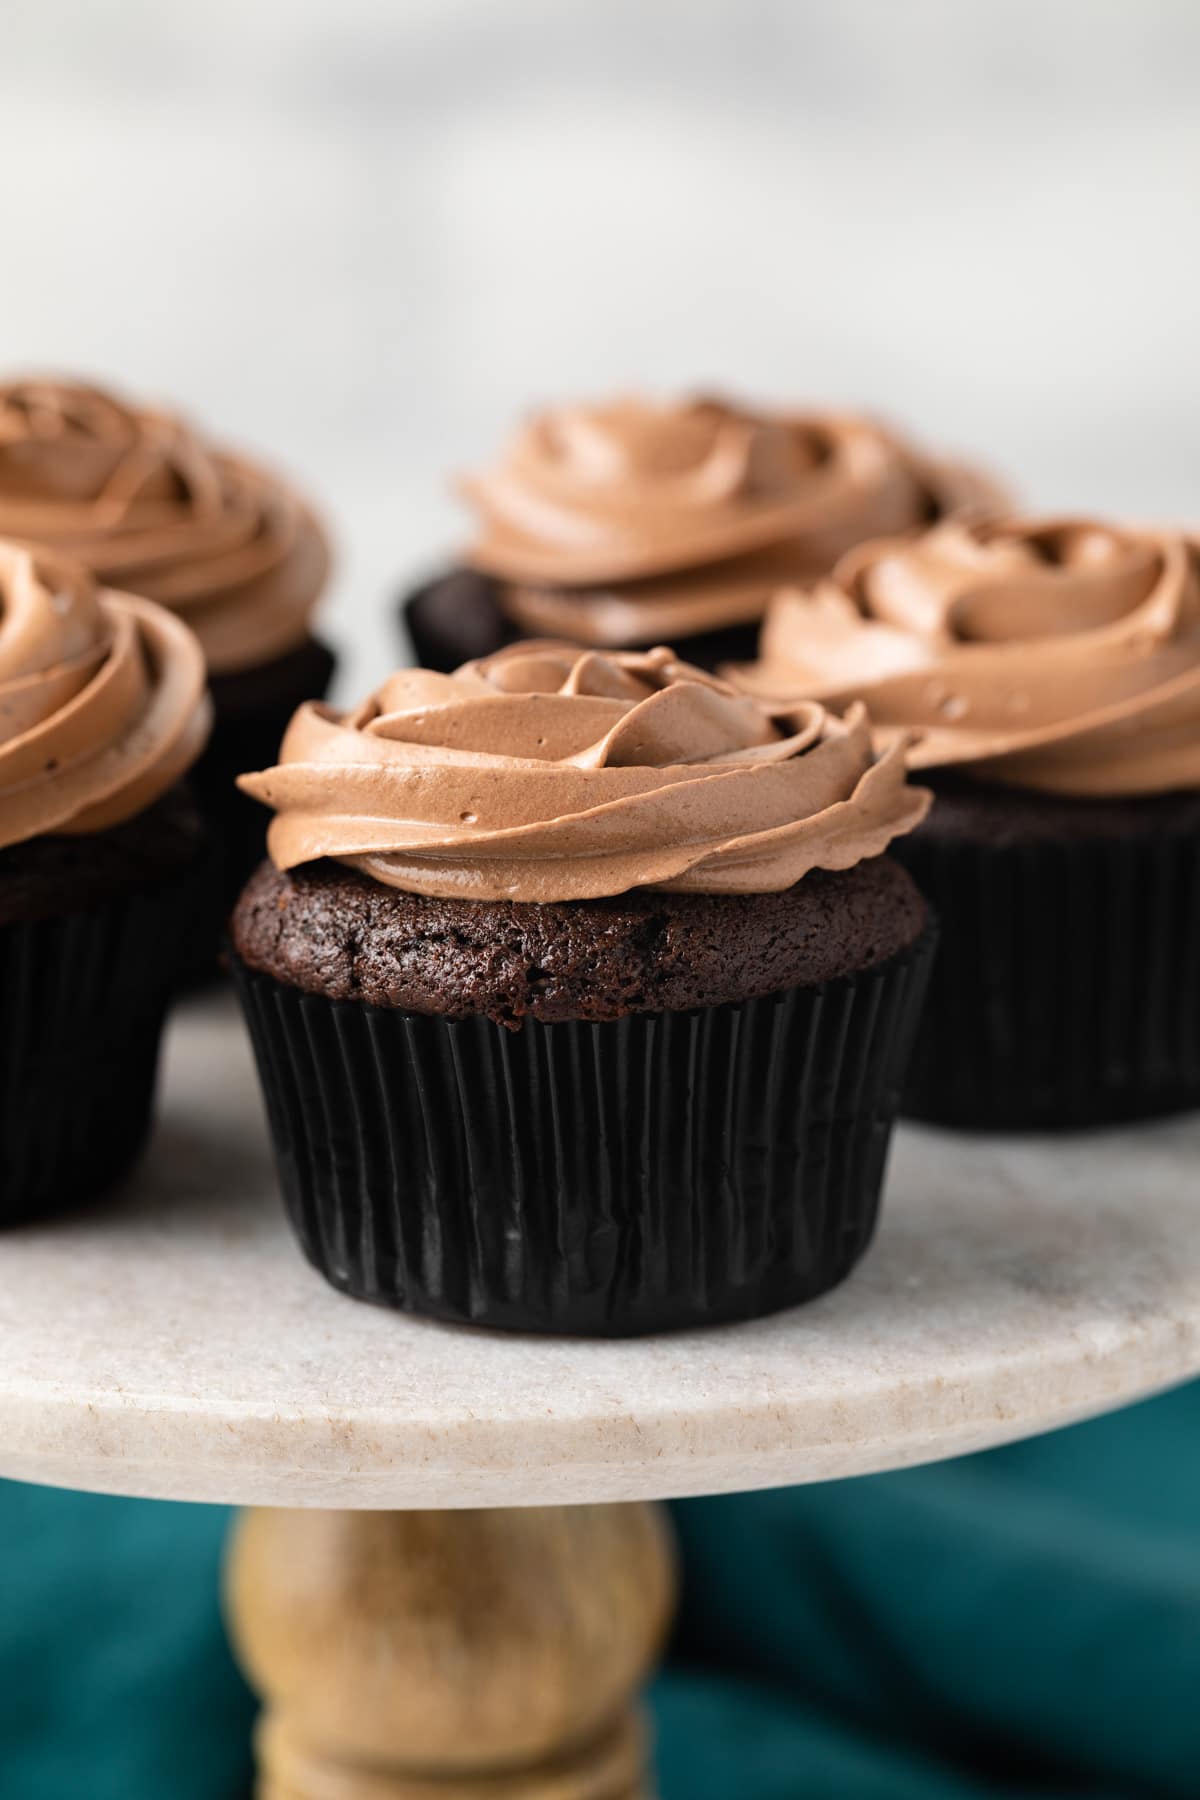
(582, 991)
(1050, 673)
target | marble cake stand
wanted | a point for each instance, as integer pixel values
(486, 1646)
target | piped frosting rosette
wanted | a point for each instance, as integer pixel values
(545, 773)
(1059, 655)
(640, 522)
(103, 704)
(153, 510)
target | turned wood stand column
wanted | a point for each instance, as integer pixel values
(478, 1655)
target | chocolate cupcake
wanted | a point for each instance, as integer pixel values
(103, 711)
(1051, 674)
(155, 510)
(631, 524)
(582, 991)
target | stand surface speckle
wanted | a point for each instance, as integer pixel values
(174, 1343)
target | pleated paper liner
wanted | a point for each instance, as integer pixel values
(82, 1003)
(1066, 991)
(652, 1172)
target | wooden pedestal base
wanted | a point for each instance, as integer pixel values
(451, 1655)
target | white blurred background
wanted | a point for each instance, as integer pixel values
(362, 234)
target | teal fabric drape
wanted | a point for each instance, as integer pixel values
(115, 1679)
(1021, 1623)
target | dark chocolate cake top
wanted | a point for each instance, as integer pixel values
(328, 930)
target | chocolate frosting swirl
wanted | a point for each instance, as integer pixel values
(696, 511)
(102, 700)
(546, 773)
(153, 510)
(1059, 655)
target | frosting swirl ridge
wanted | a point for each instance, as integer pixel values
(154, 510)
(633, 522)
(103, 703)
(1061, 655)
(548, 773)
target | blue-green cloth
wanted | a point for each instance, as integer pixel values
(1025, 1622)
(1021, 1622)
(115, 1679)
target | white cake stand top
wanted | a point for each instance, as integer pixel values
(175, 1344)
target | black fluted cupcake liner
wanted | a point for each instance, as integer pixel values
(82, 1002)
(1066, 991)
(252, 710)
(638, 1175)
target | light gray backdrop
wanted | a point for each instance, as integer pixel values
(362, 234)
